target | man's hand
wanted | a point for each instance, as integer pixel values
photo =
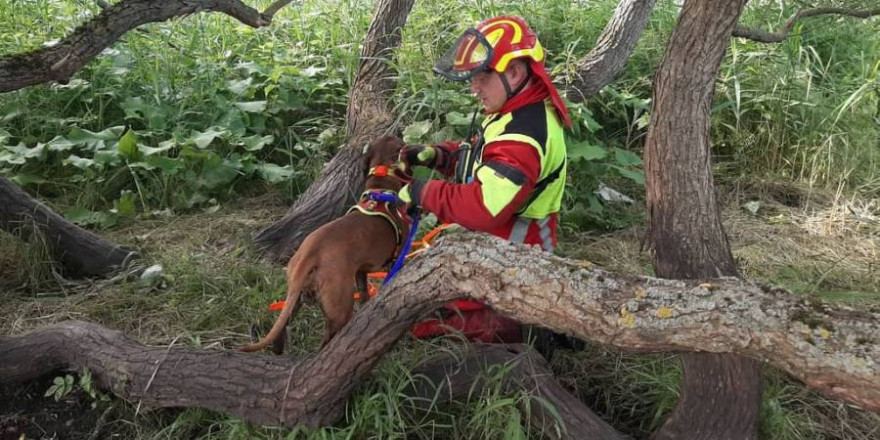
(420, 155)
(411, 193)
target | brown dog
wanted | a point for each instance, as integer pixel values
(334, 256)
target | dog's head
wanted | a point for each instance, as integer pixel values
(383, 151)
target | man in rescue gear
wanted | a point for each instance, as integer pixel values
(509, 175)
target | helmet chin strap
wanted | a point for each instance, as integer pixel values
(522, 85)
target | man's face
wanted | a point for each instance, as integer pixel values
(487, 87)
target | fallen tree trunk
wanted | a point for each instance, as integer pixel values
(831, 348)
(80, 252)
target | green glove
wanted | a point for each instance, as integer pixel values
(411, 193)
(419, 155)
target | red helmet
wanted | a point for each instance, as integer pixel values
(492, 44)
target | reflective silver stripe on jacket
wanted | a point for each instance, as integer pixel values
(521, 229)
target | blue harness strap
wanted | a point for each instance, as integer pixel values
(413, 212)
(405, 250)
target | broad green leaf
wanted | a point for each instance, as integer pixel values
(4, 136)
(203, 139)
(457, 119)
(239, 87)
(256, 142)
(217, 172)
(251, 106)
(83, 217)
(273, 173)
(635, 176)
(11, 115)
(626, 158)
(20, 150)
(95, 141)
(59, 143)
(149, 151)
(416, 131)
(27, 179)
(12, 158)
(168, 165)
(586, 151)
(79, 162)
(107, 157)
(127, 146)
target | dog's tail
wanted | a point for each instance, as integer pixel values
(297, 278)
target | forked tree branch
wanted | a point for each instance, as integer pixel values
(763, 36)
(60, 61)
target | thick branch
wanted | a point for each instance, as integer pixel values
(763, 36)
(81, 252)
(833, 349)
(61, 61)
(613, 48)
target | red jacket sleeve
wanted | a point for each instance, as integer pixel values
(464, 203)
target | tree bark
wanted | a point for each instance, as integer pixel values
(80, 252)
(59, 62)
(452, 379)
(613, 48)
(830, 348)
(369, 117)
(721, 394)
